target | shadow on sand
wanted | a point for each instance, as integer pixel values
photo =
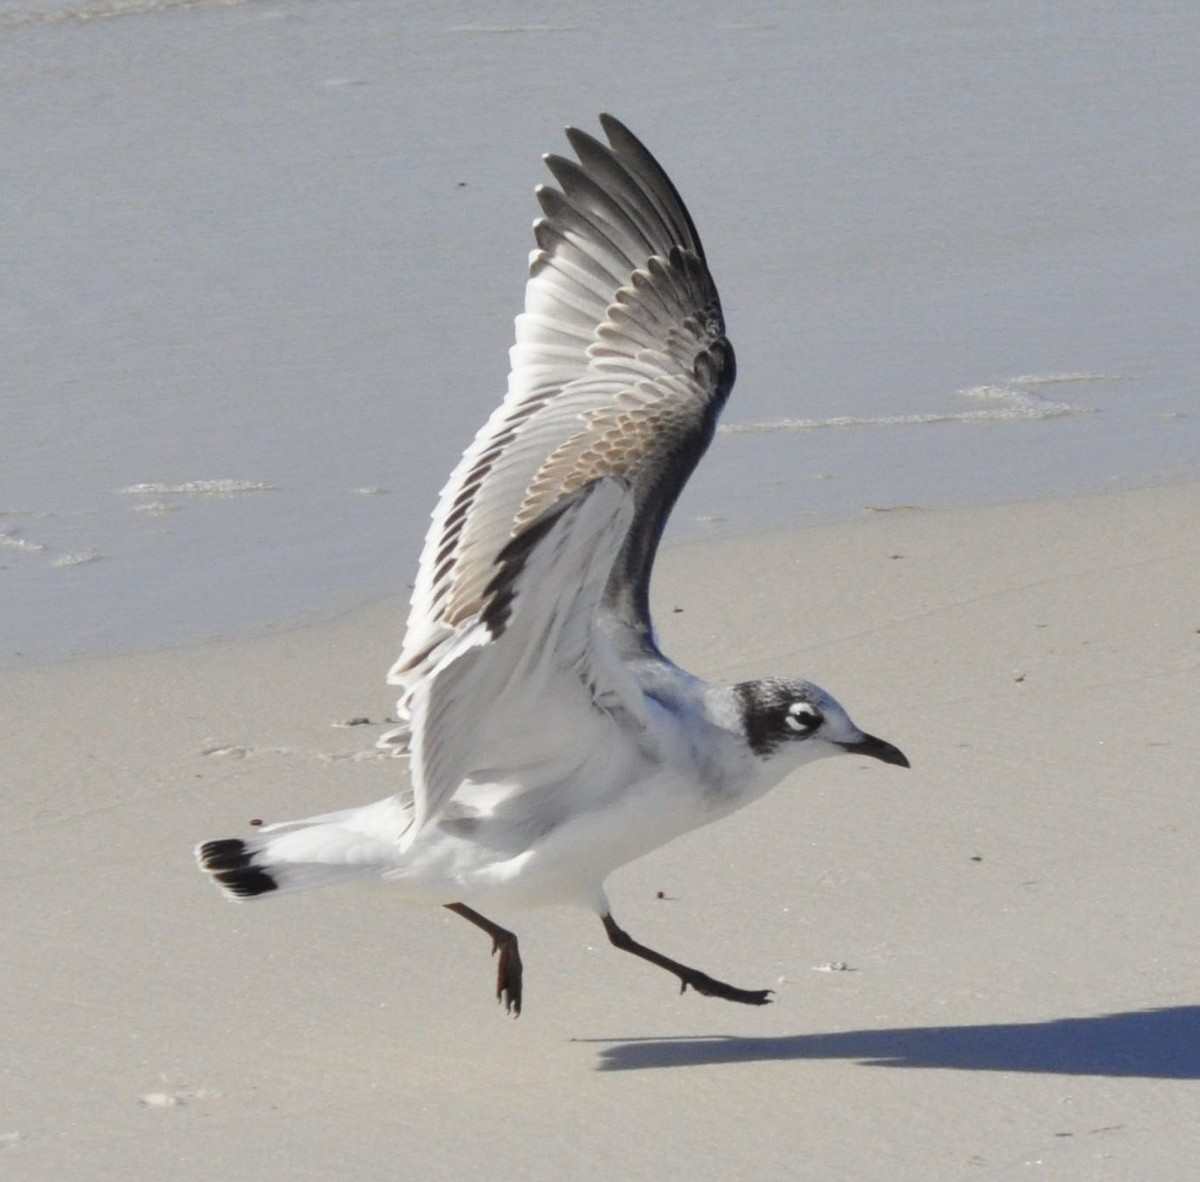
(1147, 1044)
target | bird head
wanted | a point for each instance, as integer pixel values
(783, 714)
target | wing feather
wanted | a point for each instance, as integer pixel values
(619, 368)
(537, 654)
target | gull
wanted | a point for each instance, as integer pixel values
(550, 741)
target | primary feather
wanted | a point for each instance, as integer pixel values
(620, 368)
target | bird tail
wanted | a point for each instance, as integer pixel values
(299, 855)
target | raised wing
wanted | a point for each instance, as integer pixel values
(533, 691)
(620, 368)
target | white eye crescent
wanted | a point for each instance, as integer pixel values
(801, 716)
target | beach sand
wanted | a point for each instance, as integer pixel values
(985, 967)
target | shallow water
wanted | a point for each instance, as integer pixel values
(262, 261)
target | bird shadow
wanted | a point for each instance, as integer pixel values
(1146, 1044)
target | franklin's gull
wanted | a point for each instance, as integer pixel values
(549, 739)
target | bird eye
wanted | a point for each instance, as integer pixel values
(802, 717)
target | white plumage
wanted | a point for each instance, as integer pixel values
(549, 739)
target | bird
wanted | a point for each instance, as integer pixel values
(550, 740)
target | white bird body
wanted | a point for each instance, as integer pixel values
(549, 739)
(550, 834)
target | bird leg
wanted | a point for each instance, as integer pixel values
(700, 982)
(508, 968)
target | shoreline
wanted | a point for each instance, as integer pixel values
(398, 601)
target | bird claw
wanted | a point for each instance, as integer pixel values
(508, 976)
(708, 986)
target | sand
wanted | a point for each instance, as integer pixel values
(985, 967)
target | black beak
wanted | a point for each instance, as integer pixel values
(877, 749)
